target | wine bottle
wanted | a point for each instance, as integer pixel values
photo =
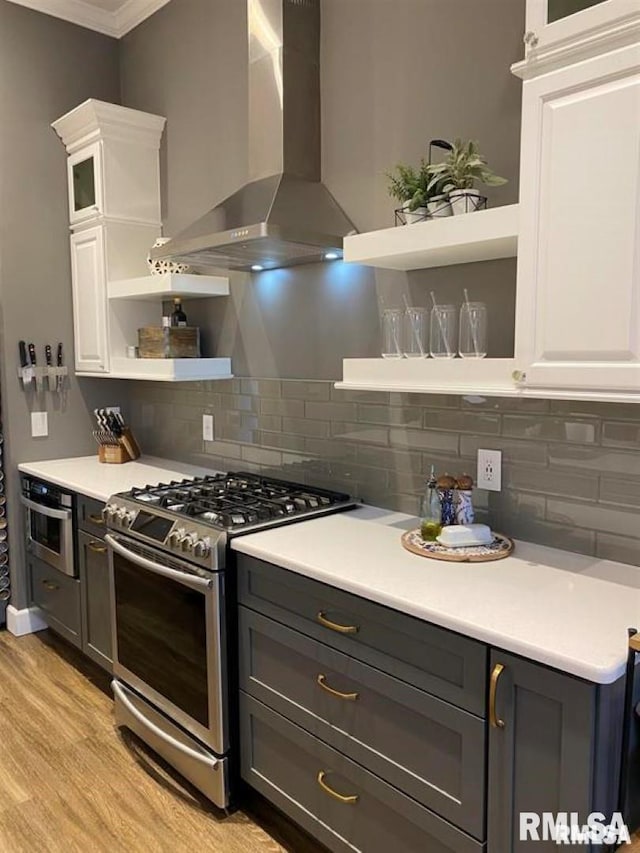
(178, 318)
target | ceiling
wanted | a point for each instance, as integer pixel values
(111, 17)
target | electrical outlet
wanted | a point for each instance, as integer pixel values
(489, 470)
(39, 425)
(207, 427)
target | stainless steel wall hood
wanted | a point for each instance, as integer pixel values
(284, 215)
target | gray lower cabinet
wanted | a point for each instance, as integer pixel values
(58, 596)
(339, 802)
(96, 613)
(430, 658)
(424, 746)
(554, 741)
(89, 516)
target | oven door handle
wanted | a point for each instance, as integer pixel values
(59, 514)
(207, 760)
(186, 579)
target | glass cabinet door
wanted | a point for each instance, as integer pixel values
(557, 9)
(567, 22)
(85, 183)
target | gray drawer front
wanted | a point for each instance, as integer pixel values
(282, 761)
(89, 516)
(430, 658)
(58, 596)
(426, 747)
(93, 564)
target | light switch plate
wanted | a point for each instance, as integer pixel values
(39, 425)
(490, 470)
(207, 427)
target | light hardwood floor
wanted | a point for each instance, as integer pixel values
(70, 784)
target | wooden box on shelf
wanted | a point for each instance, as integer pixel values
(172, 342)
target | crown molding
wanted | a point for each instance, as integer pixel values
(115, 24)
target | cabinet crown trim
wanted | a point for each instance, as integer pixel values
(94, 120)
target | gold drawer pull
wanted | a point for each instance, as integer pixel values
(49, 585)
(341, 629)
(494, 720)
(96, 519)
(349, 801)
(321, 681)
(97, 548)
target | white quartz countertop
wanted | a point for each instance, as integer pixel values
(562, 609)
(88, 476)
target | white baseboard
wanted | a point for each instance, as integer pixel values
(27, 621)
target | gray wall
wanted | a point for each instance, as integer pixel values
(394, 75)
(47, 66)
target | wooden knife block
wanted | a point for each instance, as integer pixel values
(126, 451)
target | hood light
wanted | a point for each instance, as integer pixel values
(257, 267)
(331, 256)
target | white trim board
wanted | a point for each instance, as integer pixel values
(85, 14)
(27, 621)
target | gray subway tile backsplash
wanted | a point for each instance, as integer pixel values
(571, 470)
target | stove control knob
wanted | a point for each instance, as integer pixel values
(176, 537)
(189, 541)
(202, 547)
(109, 512)
(121, 515)
(129, 518)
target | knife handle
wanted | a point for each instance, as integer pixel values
(22, 349)
(59, 359)
(47, 355)
(32, 354)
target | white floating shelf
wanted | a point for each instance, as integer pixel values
(480, 236)
(490, 377)
(168, 369)
(168, 286)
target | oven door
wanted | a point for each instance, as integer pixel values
(169, 637)
(50, 535)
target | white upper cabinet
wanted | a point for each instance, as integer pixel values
(88, 271)
(563, 31)
(113, 165)
(578, 292)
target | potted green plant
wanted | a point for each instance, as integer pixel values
(410, 187)
(458, 174)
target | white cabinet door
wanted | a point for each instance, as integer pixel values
(578, 307)
(88, 275)
(84, 176)
(565, 24)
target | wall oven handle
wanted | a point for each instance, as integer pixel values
(186, 579)
(210, 762)
(60, 514)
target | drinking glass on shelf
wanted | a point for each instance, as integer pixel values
(443, 331)
(391, 333)
(473, 330)
(414, 333)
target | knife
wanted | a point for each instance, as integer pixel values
(24, 362)
(59, 363)
(34, 363)
(48, 361)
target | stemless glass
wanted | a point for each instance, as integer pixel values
(391, 333)
(473, 330)
(414, 333)
(443, 331)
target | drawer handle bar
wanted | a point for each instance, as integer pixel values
(49, 585)
(96, 519)
(321, 681)
(97, 548)
(494, 720)
(341, 629)
(349, 801)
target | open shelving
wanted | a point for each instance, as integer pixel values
(483, 235)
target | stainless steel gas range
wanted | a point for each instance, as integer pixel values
(168, 550)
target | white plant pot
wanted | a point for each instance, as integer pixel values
(417, 215)
(439, 206)
(465, 201)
